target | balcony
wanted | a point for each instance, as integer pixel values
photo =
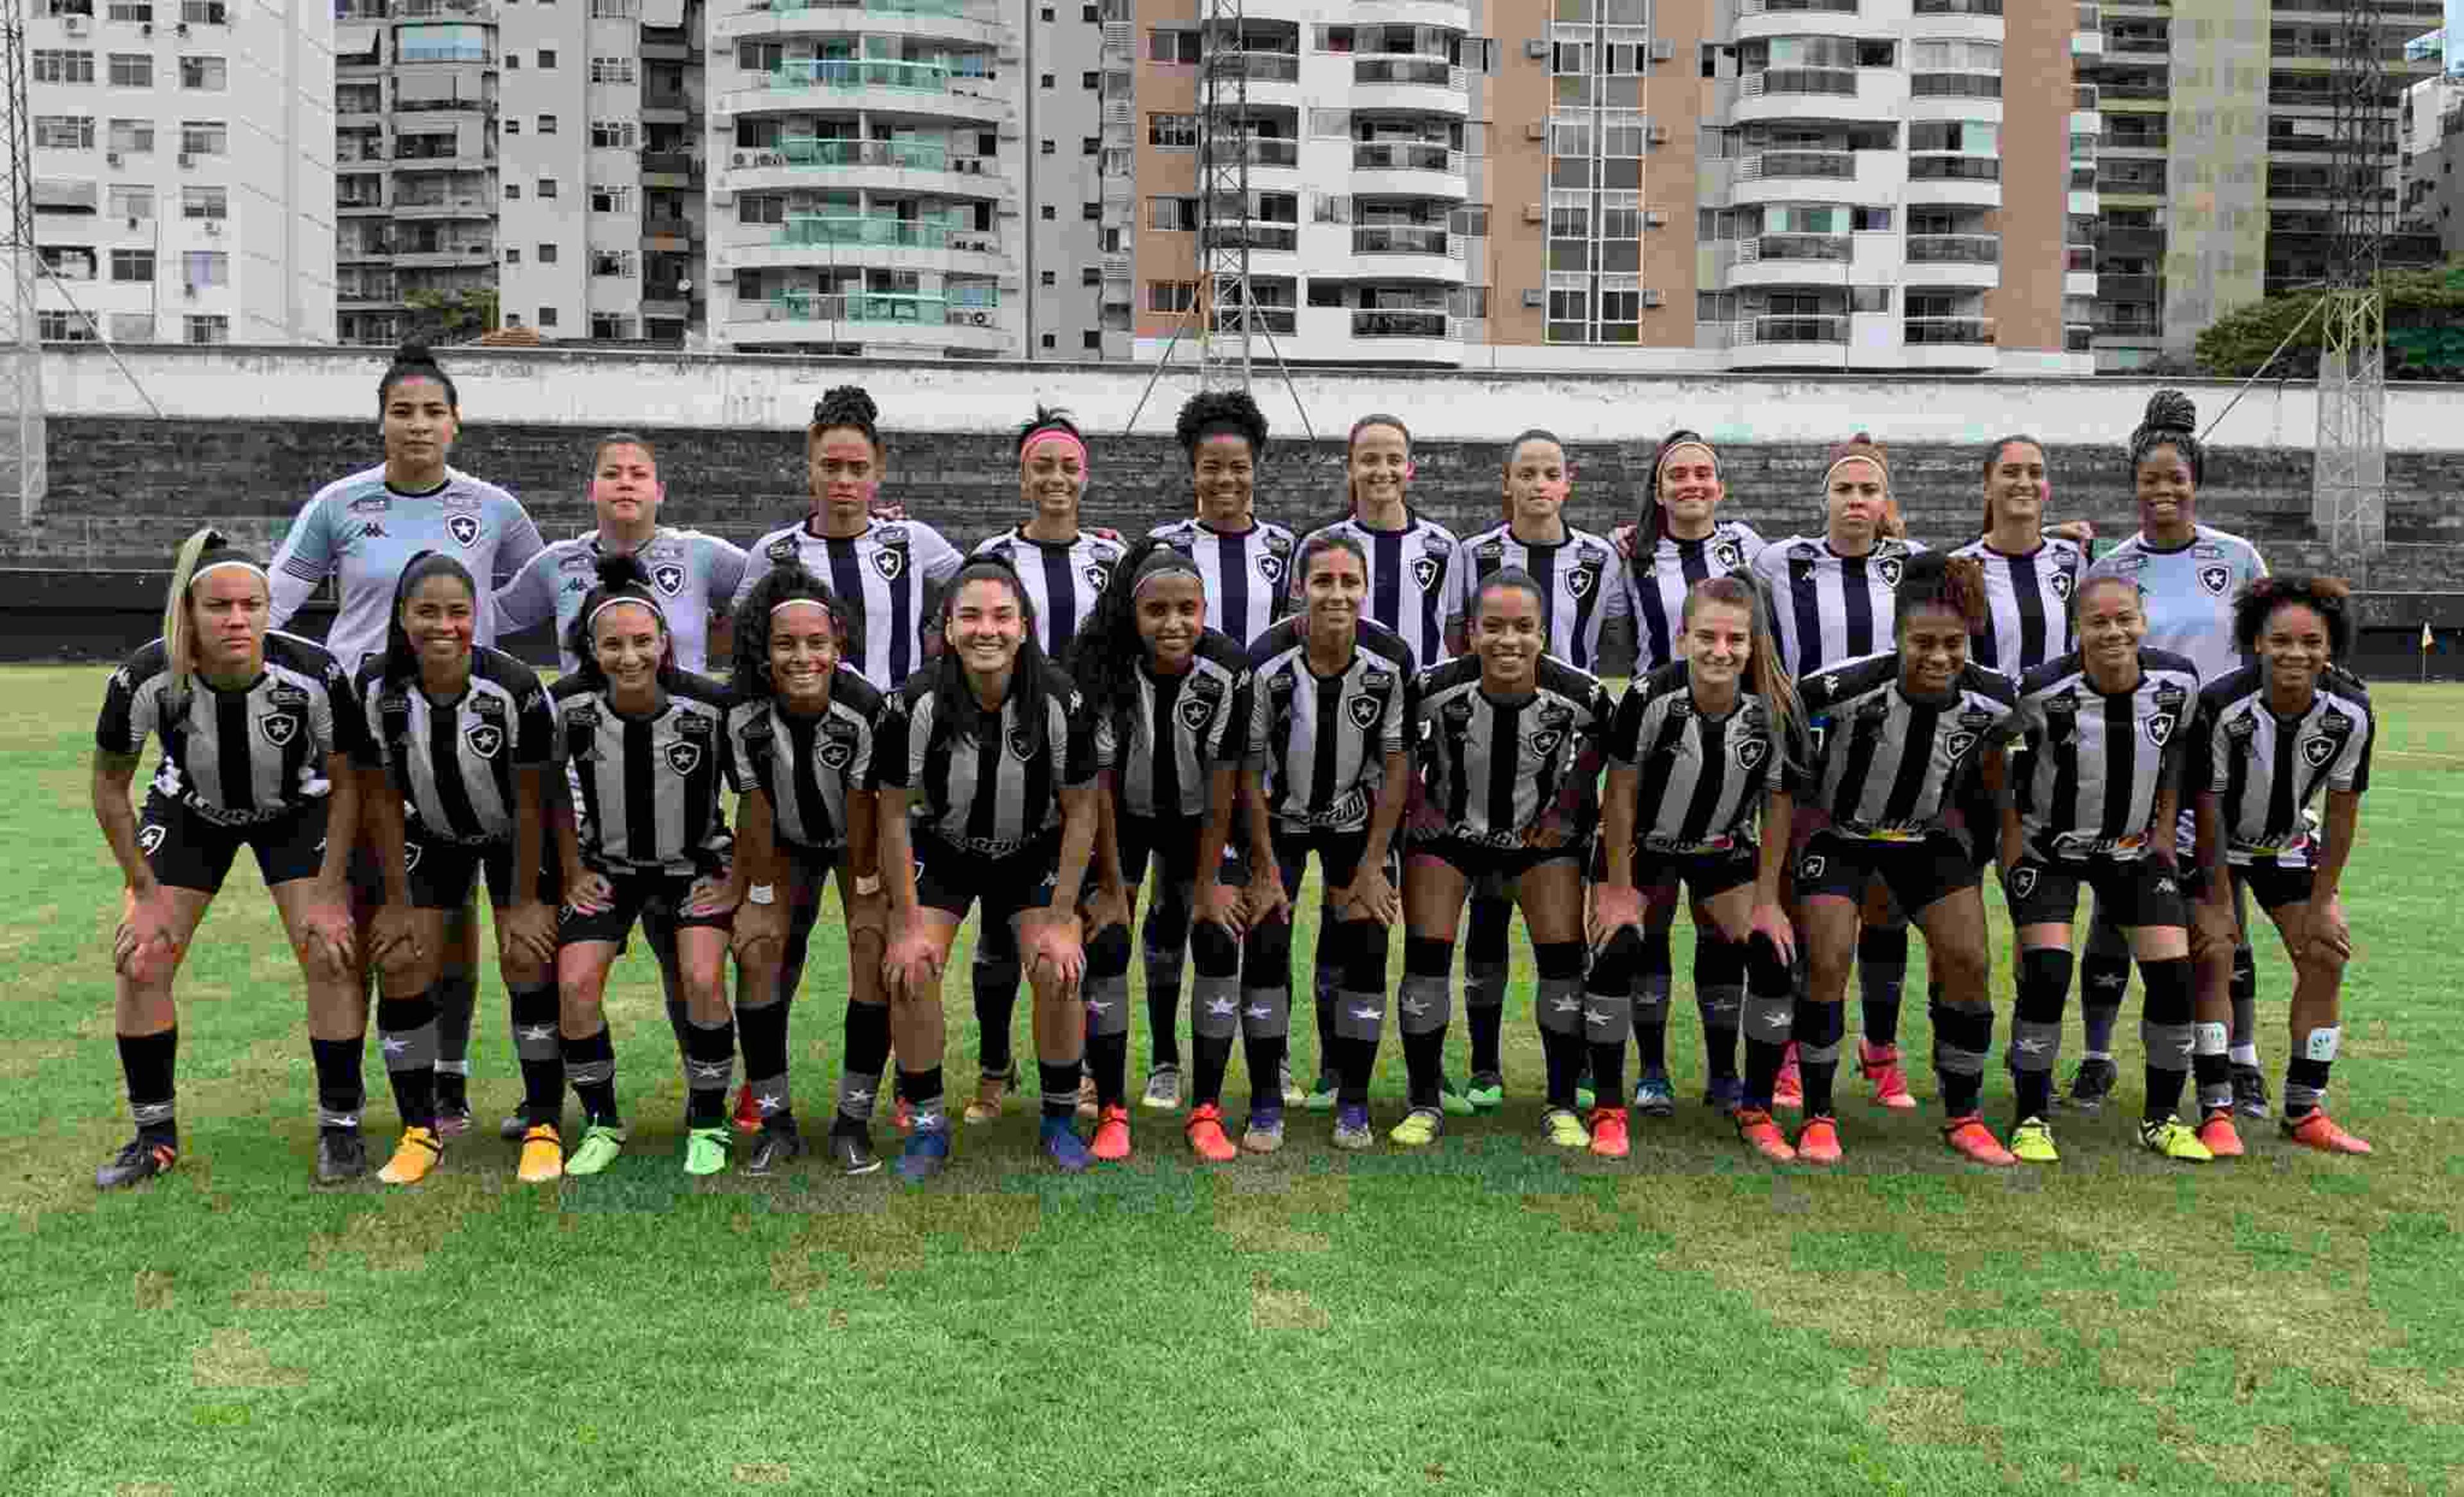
(1778, 81)
(679, 164)
(1949, 180)
(954, 19)
(1258, 234)
(1791, 259)
(1831, 166)
(440, 205)
(1971, 331)
(1830, 248)
(867, 229)
(1955, 85)
(1784, 342)
(968, 319)
(1430, 85)
(1280, 320)
(1954, 250)
(1434, 71)
(1272, 151)
(888, 73)
(1407, 168)
(1260, 67)
(885, 306)
(1402, 240)
(1411, 322)
(1957, 7)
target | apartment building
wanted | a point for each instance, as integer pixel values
(183, 171)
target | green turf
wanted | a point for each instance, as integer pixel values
(1488, 1317)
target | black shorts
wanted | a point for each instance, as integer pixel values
(1917, 872)
(186, 850)
(953, 878)
(441, 872)
(2129, 893)
(656, 899)
(2275, 887)
(1705, 875)
(1338, 858)
(1492, 868)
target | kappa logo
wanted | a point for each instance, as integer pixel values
(1364, 710)
(150, 836)
(486, 738)
(890, 562)
(1426, 573)
(2215, 579)
(1751, 752)
(1270, 566)
(2160, 728)
(1196, 713)
(372, 530)
(1888, 569)
(2023, 881)
(462, 528)
(669, 578)
(684, 758)
(279, 727)
(2063, 585)
(1957, 746)
(2316, 751)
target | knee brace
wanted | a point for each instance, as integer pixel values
(1213, 951)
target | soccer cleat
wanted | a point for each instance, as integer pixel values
(1088, 1104)
(1062, 1145)
(341, 1154)
(413, 1157)
(2092, 1084)
(1111, 1135)
(2217, 1132)
(1293, 1095)
(2250, 1091)
(2167, 1136)
(1817, 1142)
(1755, 1127)
(902, 1117)
(542, 1156)
(748, 1113)
(706, 1150)
(601, 1144)
(2031, 1142)
(1788, 1091)
(1654, 1096)
(514, 1126)
(1562, 1127)
(1488, 1091)
(991, 1090)
(927, 1151)
(1971, 1140)
(140, 1159)
(1453, 1100)
(1418, 1129)
(1609, 1132)
(1352, 1127)
(1204, 1131)
(1320, 1099)
(1879, 1065)
(774, 1149)
(1265, 1133)
(452, 1119)
(1586, 1096)
(1724, 1093)
(850, 1149)
(2316, 1130)
(1163, 1090)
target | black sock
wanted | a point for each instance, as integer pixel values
(1563, 1056)
(147, 1063)
(1355, 1062)
(1768, 1021)
(996, 1005)
(1164, 1009)
(762, 1032)
(680, 1021)
(867, 1055)
(1608, 1073)
(1486, 1025)
(339, 1094)
(922, 1090)
(590, 1062)
(1329, 1048)
(541, 1055)
(1719, 998)
(1060, 1085)
(710, 1067)
(1424, 1066)
(1654, 975)
(1212, 1054)
(406, 1034)
(2305, 1086)
(1819, 1030)
(1108, 1060)
(1961, 1039)
(456, 995)
(1881, 976)
(1264, 1056)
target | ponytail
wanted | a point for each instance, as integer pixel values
(1767, 677)
(203, 550)
(621, 580)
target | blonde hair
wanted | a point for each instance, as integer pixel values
(179, 637)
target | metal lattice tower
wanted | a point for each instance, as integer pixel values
(22, 471)
(1224, 305)
(2348, 492)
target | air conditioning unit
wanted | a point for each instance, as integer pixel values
(1663, 50)
(738, 160)
(187, 160)
(146, 29)
(132, 223)
(1653, 299)
(191, 291)
(76, 24)
(1535, 47)
(1655, 218)
(1535, 213)
(979, 318)
(111, 158)
(1534, 296)
(214, 227)
(1536, 130)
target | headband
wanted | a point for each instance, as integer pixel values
(1167, 561)
(1875, 457)
(219, 562)
(786, 604)
(656, 612)
(1047, 436)
(1678, 447)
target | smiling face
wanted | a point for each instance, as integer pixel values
(2015, 488)
(2111, 622)
(1333, 589)
(1171, 613)
(1051, 477)
(627, 641)
(843, 471)
(625, 487)
(2168, 494)
(1380, 466)
(804, 649)
(1225, 473)
(1719, 642)
(1689, 486)
(1855, 500)
(440, 616)
(2295, 647)
(1509, 637)
(1537, 481)
(987, 625)
(228, 615)
(1933, 650)
(419, 423)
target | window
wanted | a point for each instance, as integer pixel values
(205, 202)
(1044, 14)
(64, 327)
(61, 66)
(622, 135)
(1173, 132)
(204, 137)
(759, 56)
(1171, 295)
(512, 320)
(64, 132)
(132, 136)
(214, 328)
(611, 70)
(611, 200)
(1089, 144)
(130, 10)
(1047, 148)
(761, 207)
(611, 262)
(1324, 124)
(547, 317)
(1049, 341)
(546, 124)
(1046, 81)
(205, 12)
(1090, 276)
(68, 261)
(1869, 299)
(1093, 213)
(546, 188)
(513, 192)
(1172, 215)
(1048, 277)
(1091, 14)
(1091, 340)
(132, 327)
(513, 125)
(513, 62)
(1049, 216)
(1176, 47)
(615, 10)
(131, 202)
(547, 57)
(1090, 80)
(206, 75)
(547, 255)
(1870, 220)
(512, 256)
(206, 267)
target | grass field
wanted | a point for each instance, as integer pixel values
(1486, 1316)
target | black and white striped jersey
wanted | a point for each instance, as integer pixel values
(1321, 742)
(991, 784)
(1407, 581)
(1703, 779)
(1247, 573)
(807, 764)
(1490, 769)
(1655, 585)
(1182, 729)
(895, 569)
(695, 574)
(239, 757)
(1579, 587)
(2265, 770)
(1063, 580)
(1829, 607)
(646, 789)
(2028, 603)
(2098, 763)
(454, 764)
(362, 532)
(1891, 767)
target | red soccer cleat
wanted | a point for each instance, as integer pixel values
(748, 1113)
(1206, 1136)
(902, 1117)
(1970, 1138)
(1111, 1135)
(2217, 1132)
(2316, 1130)
(1881, 1066)
(1755, 1127)
(1817, 1142)
(1788, 1092)
(1609, 1132)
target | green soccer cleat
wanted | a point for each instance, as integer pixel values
(1487, 1094)
(2169, 1137)
(2032, 1142)
(705, 1150)
(601, 1144)
(1418, 1129)
(1321, 1098)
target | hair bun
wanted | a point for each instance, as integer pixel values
(413, 351)
(850, 404)
(2171, 410)
(622, 571)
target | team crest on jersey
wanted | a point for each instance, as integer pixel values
(684, 758)
(462, 528)
(410, 856)
(1364, 711)
(1581, 579)
(2063, 585)
(1545, 743)
(890, 563)
(1888, 569)
(1751, 752)
(2215, 579)
(1957, 746)
(1022, 743)
(150, 836)
(279, 727)
(1455, 713)
(836, 748)
(1196, 713)
(1097, 574)
(2316, 751)
(782, 550)
(2160, 728)
(486, 738)
(1729, 554)
(2023, 881)
(1426, 572)
(1270, 566)
(669, 578)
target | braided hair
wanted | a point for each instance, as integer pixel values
(2328, 597)
(413, 361)
(621, 580)
(2172, 420)
(1939, 579)
(1214, 413)
(1106, 654)
(401, 661)
(846, 406)
(749, 675)
(953, 701)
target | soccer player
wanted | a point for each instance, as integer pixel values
(1507, 751)
(2190, 575)
(1907, 728)
(361, 531)
(453, 779)
(2267, 738)
(1246, 562)
(1172, 696)
(644, 748)
(1831, 599)
(801, 730)
(994, 751)
(257, 729)
(1694, 751)
(2105, 726)
(1329, 693)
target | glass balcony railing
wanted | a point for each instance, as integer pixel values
(1400, 322)
(1798, 80)
(865, 228)
(1926, 167)
(804, 150)
(943, 7)
(1404, 156)
(1793, 329)
(1432, 71)
(976, 308)
(1954, 250)
(1268, 151)
(1941, 330)
(851, 73)
(1400, 239)
(1795, 247)
(1837, 165)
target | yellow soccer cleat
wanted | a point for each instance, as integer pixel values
(413, 1157)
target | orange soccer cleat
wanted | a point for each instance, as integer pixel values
(1970, 1138)
(1817, 1142)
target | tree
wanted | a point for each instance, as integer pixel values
(2424, 337)
(452, 317)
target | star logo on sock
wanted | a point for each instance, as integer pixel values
(1565, 1005)
(1222, 1005)
(1416, 1006)
(537, 1033)
(1095, 1005)
(771, 1103)
(395, 1044)
(1368, 1015)
(858, 1096)
(1777, 1022)
(345, 1120)
(931, 1122)
(1593, 1016)
(1722, 1006)
(710, 1071)
(2034, 1047)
